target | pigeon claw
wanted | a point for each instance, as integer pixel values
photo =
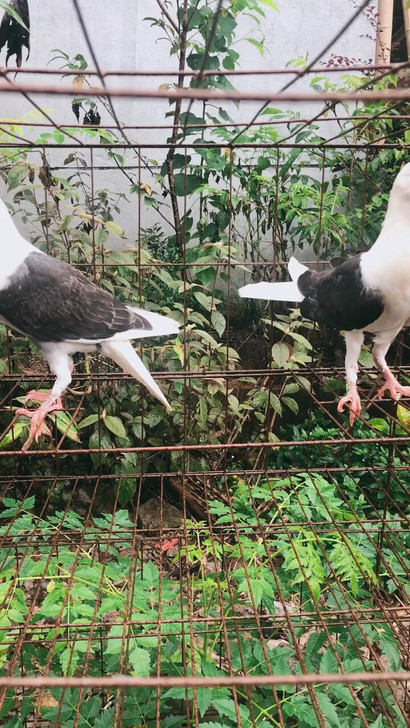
(352, 398)
(393, 386)
(38, 426)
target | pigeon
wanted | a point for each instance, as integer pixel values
(63, 312)
(369, 292)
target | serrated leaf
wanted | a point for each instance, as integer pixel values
(328, 663)
(115, 426)
(314, 643)
(140, 662)
(328, 709)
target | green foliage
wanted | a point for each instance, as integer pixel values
(75, 583)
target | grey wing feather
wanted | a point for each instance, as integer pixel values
(48, 300)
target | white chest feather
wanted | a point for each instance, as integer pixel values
(11, 258)
(386, 268)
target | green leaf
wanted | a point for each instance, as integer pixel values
(328, 709)
(205, 301)
(140, 662)
(11, 11)
(16, 175)
(328, 663)
(280, 354)
(115, 426)
(90, 420)
(12, 435)
(114, 228)
(257, 44)
(218, 322)
(186, 184)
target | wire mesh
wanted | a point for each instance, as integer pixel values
(222, 591)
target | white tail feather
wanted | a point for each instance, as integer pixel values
(125, 356)
(296, 269)
(272, 291)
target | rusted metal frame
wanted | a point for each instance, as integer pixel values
(214, 145)
(127, 617)
(221, 626)
(114, 376)
(206, 446)
(371, 401)
(92, 624)
(319, 612)
(15, 657)
(7, 482)
(391, 543)
(391, 67)
(58, 618)
(241, 681)
(312, 694)
(238, 618)
(205, 127)
(213, 625)
(205, 95)
(339, 582)
(122, 536)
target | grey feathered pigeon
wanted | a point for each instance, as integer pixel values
(63, 312)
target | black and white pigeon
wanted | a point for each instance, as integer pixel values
(369, 292)
(63, 312)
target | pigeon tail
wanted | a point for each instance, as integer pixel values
(296, 269)
(272, 291)
(124, 355)
(277, 291)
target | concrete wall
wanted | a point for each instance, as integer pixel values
(124, 41)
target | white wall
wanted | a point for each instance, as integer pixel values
(123, 40)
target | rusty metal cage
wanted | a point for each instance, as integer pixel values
(114, 616)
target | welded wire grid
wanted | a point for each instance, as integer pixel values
(62, 548)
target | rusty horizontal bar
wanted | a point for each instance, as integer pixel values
(202, 94)
(394, 67)
(125, 681)
(208, 446)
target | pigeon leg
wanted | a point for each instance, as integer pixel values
(391, 384)
(62, 366)
(34, 396)
(38, 426)
(354, 341)
(352, 398)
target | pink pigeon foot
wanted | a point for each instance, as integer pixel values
(38, 426)
(393, 386)
(352, 398)
(34, 396)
